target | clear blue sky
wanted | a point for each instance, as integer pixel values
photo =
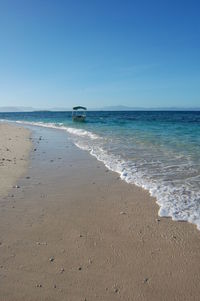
(56, 53)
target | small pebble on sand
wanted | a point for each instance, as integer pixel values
(41, 243)
(51, 259)
(16, 186)
(39, 285)
(116, 289)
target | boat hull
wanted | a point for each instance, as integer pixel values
(79, 118)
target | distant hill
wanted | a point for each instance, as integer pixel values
(16, 109)
(108, 108)
(125, 108)
(30, 109)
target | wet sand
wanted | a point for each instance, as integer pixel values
(74, 231)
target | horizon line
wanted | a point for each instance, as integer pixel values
(21, 109)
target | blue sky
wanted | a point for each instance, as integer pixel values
(99, 53)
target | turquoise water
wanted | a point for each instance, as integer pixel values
(159, 151)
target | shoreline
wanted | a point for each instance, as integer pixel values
(162, 196)
(79, 232)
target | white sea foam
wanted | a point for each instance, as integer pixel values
(175, 199)
(80, 132)
(179, 203)
(60, 126)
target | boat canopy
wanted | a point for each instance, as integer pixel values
(79, 108)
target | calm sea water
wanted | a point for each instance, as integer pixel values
(159, 151)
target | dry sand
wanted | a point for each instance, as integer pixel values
(74, 231)
(14, 150)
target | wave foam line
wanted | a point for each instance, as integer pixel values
(179, 203)
(70, 130)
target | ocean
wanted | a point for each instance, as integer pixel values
(159, 151)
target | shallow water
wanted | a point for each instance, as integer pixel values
(159, 151)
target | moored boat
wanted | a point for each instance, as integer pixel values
(79, 113)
